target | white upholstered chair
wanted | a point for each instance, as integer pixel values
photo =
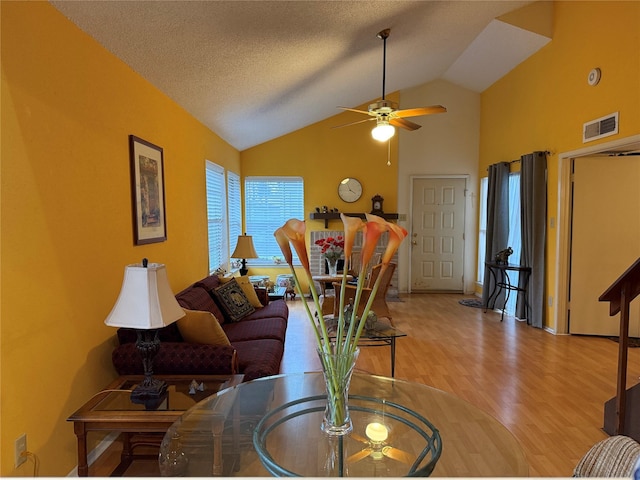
(615, 456)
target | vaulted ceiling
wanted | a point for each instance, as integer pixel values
(255, 70)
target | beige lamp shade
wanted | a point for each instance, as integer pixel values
(244, 248)
(146, 301)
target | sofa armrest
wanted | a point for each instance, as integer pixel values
(263, 295)
(178, 358)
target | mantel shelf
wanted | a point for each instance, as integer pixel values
(336, 216)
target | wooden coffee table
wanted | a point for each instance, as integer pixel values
(112, 410)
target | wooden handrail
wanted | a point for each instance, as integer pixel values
(619, 295)
(629, 281)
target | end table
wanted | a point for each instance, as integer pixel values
(112, 410)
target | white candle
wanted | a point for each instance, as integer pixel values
(377, 432)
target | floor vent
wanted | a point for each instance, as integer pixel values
(599, 128)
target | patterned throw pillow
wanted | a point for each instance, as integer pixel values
(249, 291)
(233, 301)
(201, 327)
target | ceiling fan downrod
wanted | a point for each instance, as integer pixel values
(384, 34)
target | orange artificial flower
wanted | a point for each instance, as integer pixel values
(396, 235)
(351, 227)
(295, 230)
(283, 242)
(374, 227)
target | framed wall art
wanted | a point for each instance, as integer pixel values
(147, 185)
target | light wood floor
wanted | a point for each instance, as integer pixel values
(548, 390)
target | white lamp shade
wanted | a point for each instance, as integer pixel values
(146, 301)
(383, 131)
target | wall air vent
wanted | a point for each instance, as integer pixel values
(599, 128)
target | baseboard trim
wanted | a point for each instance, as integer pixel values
(94, 454)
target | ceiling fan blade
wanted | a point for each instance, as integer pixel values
(354, 110)
(359, 438)
(416, 112)
(398, 455)
(354, 123)
(406, 124)
(356, 457)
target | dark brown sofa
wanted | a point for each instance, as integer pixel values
(257, 340)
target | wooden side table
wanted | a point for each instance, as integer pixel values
(112, 410)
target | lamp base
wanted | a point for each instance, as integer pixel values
(243, 269)
(151, 390)
(150, 395)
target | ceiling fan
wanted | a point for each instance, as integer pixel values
(385, 112)
(376, 446)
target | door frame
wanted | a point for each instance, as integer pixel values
(563, 215)
(466, 178)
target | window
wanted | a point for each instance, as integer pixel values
(515, 236)
(234, 210)
(216, 217)
(515, 241)
(482, 233)
(269, 203)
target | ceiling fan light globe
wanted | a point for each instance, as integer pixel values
(383, 132)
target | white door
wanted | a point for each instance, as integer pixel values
(437, 234)
(605, 240)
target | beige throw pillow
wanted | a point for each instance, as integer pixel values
(201, 327)
(249, 291)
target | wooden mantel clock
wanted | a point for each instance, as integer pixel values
(376, 205)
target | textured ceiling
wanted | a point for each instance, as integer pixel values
(255, 70)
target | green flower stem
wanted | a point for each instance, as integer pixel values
(325, 339)
(337, 361)
(340, 330)
(349, 345)
(367, 307)
(306, 306)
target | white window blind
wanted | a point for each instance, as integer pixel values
(235, 209)
(216, 217)
(269, 203)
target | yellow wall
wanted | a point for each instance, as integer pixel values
(68, 107)
(543, 103)
(323, 156)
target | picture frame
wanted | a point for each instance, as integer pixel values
(147, 187)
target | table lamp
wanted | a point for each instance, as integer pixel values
(146, 303)
(244, 249)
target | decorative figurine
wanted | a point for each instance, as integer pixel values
(502, 257)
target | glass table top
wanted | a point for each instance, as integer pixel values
(382, 329)
(217, 436)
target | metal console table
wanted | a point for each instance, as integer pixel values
(500, 274)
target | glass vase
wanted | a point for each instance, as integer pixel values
(172, 460)
(337, 369)
(332, 265)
